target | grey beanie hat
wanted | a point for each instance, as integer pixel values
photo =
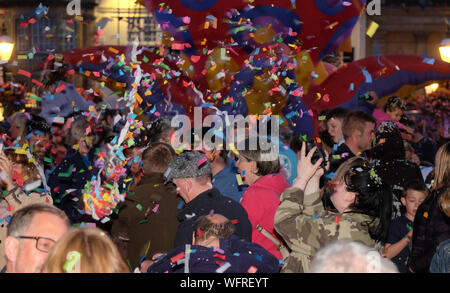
(188, 165)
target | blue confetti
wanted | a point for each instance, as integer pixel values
(367, 76)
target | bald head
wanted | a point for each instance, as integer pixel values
(212, 227)
(217, 219)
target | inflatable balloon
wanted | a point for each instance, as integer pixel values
(385, 75)
(321, 26)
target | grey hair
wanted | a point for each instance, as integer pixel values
(350, 257)
(22, 218)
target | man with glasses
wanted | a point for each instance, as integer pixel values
(31, 233)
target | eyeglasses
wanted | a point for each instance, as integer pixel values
(42, 243)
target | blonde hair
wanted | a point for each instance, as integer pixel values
(442, 176)
(442, 169)
(98, 254)
(444, 202)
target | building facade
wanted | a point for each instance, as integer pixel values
(38, 31)
(409, 27)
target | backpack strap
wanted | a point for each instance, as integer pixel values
(280, 247)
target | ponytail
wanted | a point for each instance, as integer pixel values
(373, 198)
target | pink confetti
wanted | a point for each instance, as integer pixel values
(155, 209)
(204, 159)
(186, 20)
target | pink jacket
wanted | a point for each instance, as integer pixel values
(261, 200)
(382, 116)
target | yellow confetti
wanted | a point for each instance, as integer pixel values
(373, 27)
(239, 179)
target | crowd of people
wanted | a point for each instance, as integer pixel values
(372, 187)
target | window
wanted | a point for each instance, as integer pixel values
(145, 28)
(46, 34)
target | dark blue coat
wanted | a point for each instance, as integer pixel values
(203, 204)
(72, 173)
(240, 255)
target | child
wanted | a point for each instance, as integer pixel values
(392, 111)
(400, 231)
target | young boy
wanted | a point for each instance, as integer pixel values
(397, 246)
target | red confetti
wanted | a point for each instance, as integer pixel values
(219, 256)
(61, 87)
(195, 58)
(200, 232)
(235, 221)
(24, 73)
(338, 220)
(177, 257)
(36, 82)
(70, 72)
(18, 177)
(252, 270)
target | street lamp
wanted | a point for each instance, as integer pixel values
(6, 49)
(444, 48)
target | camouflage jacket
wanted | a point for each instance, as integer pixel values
(306, 227)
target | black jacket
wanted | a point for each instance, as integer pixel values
(431, 227)
(344, 153)
(390, 164)
(203, 204)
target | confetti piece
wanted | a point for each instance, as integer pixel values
(202, 160)
(223, 268)
(115, 51)
(373, 27)
(239, 179)
(60, 88)
(195, 58)
(323, 117)
(425, 215)
(38, 83)
(186, 20)
(367, 76)
(330, 175)
(338, 220)
(200, 233)
(32, 185)
(155, 209)
(177, 46)
(428, 61)
(73, 258)
(24, 73)
(252, 270)
(177, 257)
(221, 256)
